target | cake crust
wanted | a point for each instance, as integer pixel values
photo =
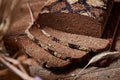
(88, 16)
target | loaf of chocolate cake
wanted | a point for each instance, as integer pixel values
(86, 17)
(57, 48)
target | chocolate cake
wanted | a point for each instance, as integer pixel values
(95, 44)
(44, 58)
(58, 50)
(88, 16)
(52, 54)
(57, 46)
(26, 46)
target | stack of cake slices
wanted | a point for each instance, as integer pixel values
(65, 32)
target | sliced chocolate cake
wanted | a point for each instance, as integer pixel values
(53, 54)
(86, 17)
(44, 58)
(60, 48)
(86, 42)
(56, 49)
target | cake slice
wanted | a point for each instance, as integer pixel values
(56, 49)
(44, 58)
(87, 42)
(86, 17)
(64, 54)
